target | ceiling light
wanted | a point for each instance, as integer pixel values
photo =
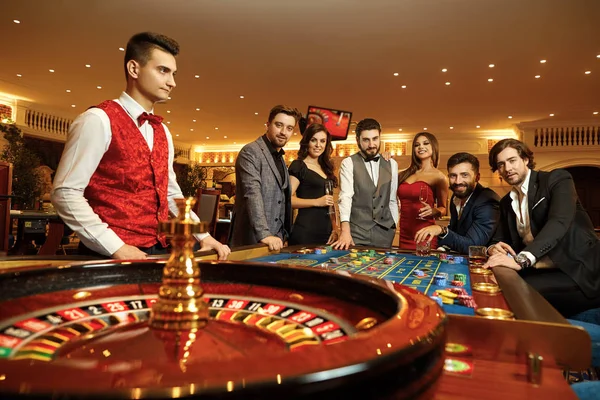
(169, 97)
(598, 56)
(208, 137)
(451, 127)
(177, 134)
(193, 120)
(537, 76)
(168, 122)
(542, 61)
(88, 66)
(68, 90)
(490, 79)
(121, 49)
(588, 72)
(444, 70)
(552, 115)
(595, 113)
(295, 134)
(216, 128)
(403, 86)
(196, 76)
(234, 143)
(396, 74)
(51, 70)
(98, 87)
(492, 65)
(16, 21)
(447, 83)
(424, 129)
(191, 129)
(168, 111)
(400, 130)
(224, 137)
(19, 75)
(241, 97)
(510, 117)
(197, 109)
(73, 105)
(478, 127)
(255, 113)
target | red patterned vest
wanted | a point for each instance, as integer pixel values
(128, 190)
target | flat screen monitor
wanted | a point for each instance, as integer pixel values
(337, 122)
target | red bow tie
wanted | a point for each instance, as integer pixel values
(152, 119)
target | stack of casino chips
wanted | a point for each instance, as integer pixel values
(440, 279)
(459, 280)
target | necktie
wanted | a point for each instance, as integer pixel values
(374, 159)
(154, 120)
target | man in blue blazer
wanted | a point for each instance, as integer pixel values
(544, 232)
(474, 209)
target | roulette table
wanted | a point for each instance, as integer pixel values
(75, 328)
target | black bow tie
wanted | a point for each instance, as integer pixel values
(374, 159)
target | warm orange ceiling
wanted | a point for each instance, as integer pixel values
(333, 53)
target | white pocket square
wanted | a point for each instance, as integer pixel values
(536, 204)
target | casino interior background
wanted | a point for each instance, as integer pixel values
(468, 71)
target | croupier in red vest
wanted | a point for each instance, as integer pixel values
(115, 179)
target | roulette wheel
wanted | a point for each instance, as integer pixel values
(177, 328)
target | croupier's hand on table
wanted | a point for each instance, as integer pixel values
(127, 252)
(274, 242)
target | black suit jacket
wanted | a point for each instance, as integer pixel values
(561, 228)
(477, 222)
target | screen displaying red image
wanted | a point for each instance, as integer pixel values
(337, 122)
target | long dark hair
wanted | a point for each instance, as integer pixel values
(415, 162)
(325, 157)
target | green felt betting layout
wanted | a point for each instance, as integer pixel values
(401, 270)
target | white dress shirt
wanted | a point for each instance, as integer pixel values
(89, 138)
(347, 186)
(520, 206)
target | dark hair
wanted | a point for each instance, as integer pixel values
(460, 158)
(366, 125)
(415, 162)
(280, 109)
(325, 157)
(522, 149)
(140, 47)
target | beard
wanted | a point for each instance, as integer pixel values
(462, 195)
(369, 156)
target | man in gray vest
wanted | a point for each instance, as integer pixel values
(367, 201)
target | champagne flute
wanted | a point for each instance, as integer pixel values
(423, 195)
(329, 192)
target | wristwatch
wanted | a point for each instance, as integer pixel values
(523, 261)
(444, 231)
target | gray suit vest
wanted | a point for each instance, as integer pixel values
(370, 203)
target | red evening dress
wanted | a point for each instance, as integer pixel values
(408, 196)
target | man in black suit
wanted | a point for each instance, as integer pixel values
(475, 214)
(544, 232)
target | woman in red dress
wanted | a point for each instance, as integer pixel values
(422, 190)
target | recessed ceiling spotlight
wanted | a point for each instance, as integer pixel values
(552, 115)
(490, 79)
(193, 120)
(598, 56)
(295, 133)
(168, 122)
(447, 83)
(478, 127)
(88, 66)
(73, 105)
(537, 76)
(451, 127)
(595, 113)
(400, 130)
(68, 90)
(197, 109)
(196, 76)
(169, 97)
(234, 143)
(16, 21)
(177, 134)
(224, 137)
(51, 70)
(216, 128)
(510, 117)
(168, 111)
(542, 61)
(19, 75)
(403, 86)
(492, 65)
(255, 113)
(588, 72)
(424, 129)
(396, 74)
(191, 129)
(207, 137)
(241, 97)
(98, 87)
(444, 70)
(121, 49)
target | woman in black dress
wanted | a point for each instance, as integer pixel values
(308, 176)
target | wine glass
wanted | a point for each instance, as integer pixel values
(329, 192)
(423, 195)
